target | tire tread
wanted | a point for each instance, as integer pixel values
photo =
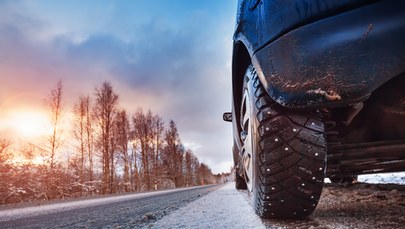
(292, 158)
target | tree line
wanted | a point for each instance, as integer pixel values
(113, 152)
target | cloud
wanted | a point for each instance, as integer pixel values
(181, 71)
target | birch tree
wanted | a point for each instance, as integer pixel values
(104, 111)
(123, 135)
(89, 135)
(173, 154)
(83, 131)
(79, 125)
(54, 103)
(157, 144)
(142, 135)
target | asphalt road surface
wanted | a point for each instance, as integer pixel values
(127, 211)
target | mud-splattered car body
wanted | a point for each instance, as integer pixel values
(322, 53)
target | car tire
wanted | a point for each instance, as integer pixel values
(283, 153)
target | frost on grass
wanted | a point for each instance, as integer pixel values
(224, 208)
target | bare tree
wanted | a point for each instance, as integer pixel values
(195, 165)
(113, 156)
(79, 131)
(83, 131)
(5, 155)
(89, 135)
(148, 152)
(173, 154)
(135, 177)
(54, 103)
(142, 133)
(205, 174)
(157, 144)
(188, 167)
(122, 136)
(105, 110)
(5, 167)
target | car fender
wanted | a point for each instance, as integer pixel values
(335, 61)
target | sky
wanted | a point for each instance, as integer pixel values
(170, 56)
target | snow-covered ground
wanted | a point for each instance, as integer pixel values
(383, 178)
(223, 208)
(380, 178)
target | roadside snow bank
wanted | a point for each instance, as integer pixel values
(223, 208)
(383, 178)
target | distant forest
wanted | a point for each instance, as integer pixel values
(112, 152)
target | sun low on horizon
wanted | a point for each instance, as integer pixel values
(25, 123)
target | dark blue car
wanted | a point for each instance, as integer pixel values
(318, 91)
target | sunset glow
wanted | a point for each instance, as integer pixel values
(113, 97)
(28, 124)
(36, 160)
(158, 57)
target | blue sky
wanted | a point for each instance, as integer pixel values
(173, 57)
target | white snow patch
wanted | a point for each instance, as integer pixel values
(380, 178)
(383, 178)
(17, 213)
(223, 208)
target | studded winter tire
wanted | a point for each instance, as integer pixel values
(283, 153)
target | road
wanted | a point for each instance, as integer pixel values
(358, 206)
(126, 211)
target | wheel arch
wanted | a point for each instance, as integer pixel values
(241, 60)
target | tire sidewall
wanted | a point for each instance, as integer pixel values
(250, 87)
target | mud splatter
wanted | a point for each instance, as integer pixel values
(329, 95)
(365, 34)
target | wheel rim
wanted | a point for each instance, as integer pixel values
(246, 137)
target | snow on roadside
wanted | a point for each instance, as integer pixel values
(223, 208)
(383, 178)
(380, 178)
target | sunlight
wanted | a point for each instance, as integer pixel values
(29, 123)
(20, 160)
(38, 160)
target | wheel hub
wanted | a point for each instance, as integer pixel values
(246, 137)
